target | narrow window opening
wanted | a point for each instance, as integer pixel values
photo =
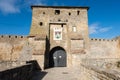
(9, 36)
(62, 25)
(59, 20)
(41, 23)
(57, 12)
(74, 28)
(78, 12)
(69, 13)
(21, 36)
(43, 12)
(15, 36)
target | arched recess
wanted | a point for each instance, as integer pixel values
(57, 57)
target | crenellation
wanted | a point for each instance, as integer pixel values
(1, 36)
(12, 36)
(16, 36)
(103, 40)
(21, 36)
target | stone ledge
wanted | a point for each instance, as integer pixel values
(19, 73)
(22, 72)
(104, 73)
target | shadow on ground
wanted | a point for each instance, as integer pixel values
(39, 75)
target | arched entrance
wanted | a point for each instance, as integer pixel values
(57, 57)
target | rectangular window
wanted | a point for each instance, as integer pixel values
(78, 12)
(74, 29)
(57, 12)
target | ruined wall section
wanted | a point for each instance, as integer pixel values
(11, 47)
(104, 48)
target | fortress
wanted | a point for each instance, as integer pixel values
(59, 37)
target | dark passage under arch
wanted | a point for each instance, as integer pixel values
(57, 57)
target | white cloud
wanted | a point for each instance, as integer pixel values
(33, 2)
(97, 28)
(15, 6)
(9, 6)
(93, 28)
(105, 29)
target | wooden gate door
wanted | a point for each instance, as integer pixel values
(59, 58)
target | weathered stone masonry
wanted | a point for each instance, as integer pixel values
(72, 25)
(73, 22)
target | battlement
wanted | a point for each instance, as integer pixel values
(12, 37)
(101, 40)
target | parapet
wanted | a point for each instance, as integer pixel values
(12, 37)
(101, 40)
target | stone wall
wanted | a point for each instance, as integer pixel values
(96, 73)
(105, 63)
(38, 49)
(23, 72)
(14, 48)
(103, 52)
(104, 48)
(20, 48)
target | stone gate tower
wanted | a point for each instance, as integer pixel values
(60, 34)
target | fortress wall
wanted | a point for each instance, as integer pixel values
(37, 49)
(11, 47)
(104, 48)
(22, 48)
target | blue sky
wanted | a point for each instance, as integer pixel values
(103, 16)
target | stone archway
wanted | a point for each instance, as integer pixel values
(57, 57)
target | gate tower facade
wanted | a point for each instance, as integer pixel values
(59, 27)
